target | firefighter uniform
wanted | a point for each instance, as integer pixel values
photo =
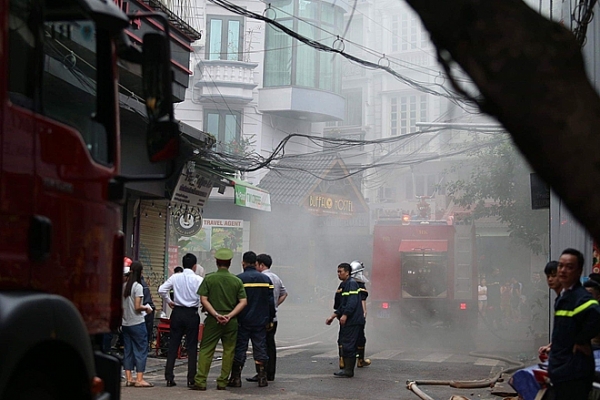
(253, 322)
(362, 340)
(576, 321)
(348, 302)
(223, 290)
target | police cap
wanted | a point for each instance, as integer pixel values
(224, 254)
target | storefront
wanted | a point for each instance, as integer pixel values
(210, 210)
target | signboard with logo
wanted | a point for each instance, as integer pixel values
(330, 204)
(193, 187)
(246, 196)
(186, 224)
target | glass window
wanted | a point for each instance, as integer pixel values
(214, 50)
(328, 14)
(69, 90)
(278, 57)
(395, 33)
(233, 40)
(425, 185)
(225, 38)
(405, 112)
(289, 62)
(306, 74)
(22, 65)
(353, 108)
(308, 9)
(407, 33)
(225, 125)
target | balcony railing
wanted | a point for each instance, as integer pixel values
(226, 80)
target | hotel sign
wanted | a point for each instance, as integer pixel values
(330, 204)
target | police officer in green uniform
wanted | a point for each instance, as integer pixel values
(223, 297)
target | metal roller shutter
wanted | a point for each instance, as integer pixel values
(152, 244)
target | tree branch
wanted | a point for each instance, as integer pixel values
(531, 74)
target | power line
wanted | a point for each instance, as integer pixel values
(383, 63)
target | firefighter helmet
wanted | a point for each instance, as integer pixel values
(356, 271)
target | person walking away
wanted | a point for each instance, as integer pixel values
(349, 312)
(148, 316)
(223, 297)
(184, 317)
(263, 264)
(135, 336)
(357, 274)
(576, 322)
(253, 321)
(482, 297)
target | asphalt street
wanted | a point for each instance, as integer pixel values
(307, 358)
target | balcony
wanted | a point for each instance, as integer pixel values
(226, 81)
(302, 103)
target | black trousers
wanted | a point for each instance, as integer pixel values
(347, 338)
(184, 321)
(149, 319)
(271, 352)
(258, 336)
(362, 339)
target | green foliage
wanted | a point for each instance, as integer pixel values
(497, 185)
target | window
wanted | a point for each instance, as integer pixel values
(278, 58)
(407, 33)
(22, 55)
(225, 126)
(421, 185)
(354, 105)
(289, 62)
(69, 91)
(225, 38)
(386, 194)
(405, 112)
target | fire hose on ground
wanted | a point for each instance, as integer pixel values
(483, 383)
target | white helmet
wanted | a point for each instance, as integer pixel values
(356, 271)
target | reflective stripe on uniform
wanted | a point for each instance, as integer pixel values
(266, 285)
(584, 306)
(350, 292)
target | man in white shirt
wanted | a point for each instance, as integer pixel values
(263, 264)
(184, 317)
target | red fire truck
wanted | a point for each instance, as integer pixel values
(423, 275)
(61, 248)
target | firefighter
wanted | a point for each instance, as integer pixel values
(357, 274)
(349, 312)
(253, 321)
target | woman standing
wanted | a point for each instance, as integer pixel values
(135, 336)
